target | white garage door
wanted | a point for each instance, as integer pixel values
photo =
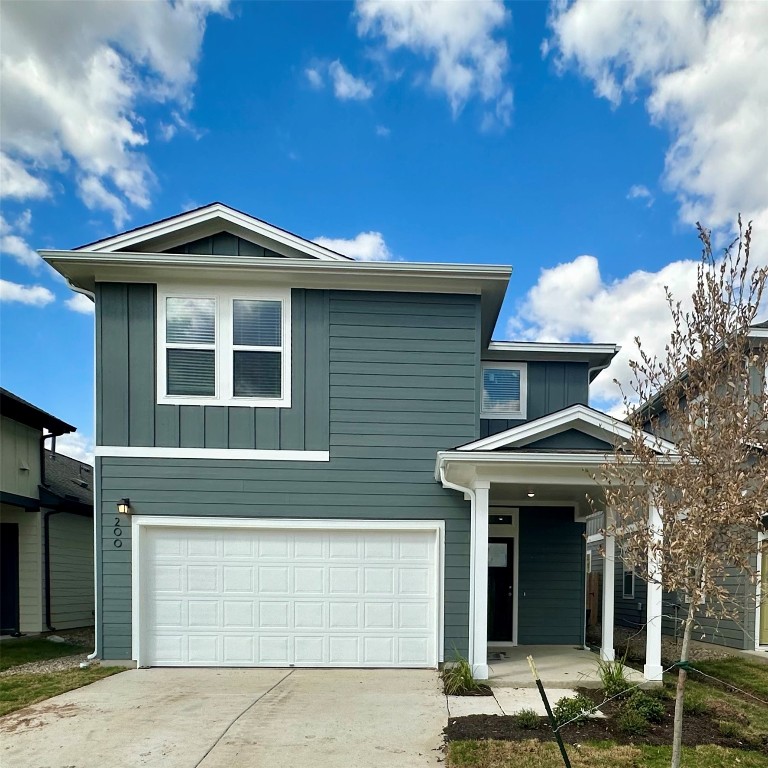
(259, 597)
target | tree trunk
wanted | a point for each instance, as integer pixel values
(682, 676)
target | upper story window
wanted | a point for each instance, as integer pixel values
(224, 348)
(505, 387)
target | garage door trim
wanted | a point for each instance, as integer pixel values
(141, 522)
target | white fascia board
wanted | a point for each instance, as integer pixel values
(599, 425)
(532, 349)
(234, 454)
(171, 226)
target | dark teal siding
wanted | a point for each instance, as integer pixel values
(224, 244)
(551, 607)
(126, 383)
(551, 387)
(570, 440)
(383, 438)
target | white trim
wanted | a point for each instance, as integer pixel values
(212, 213)
(553, 347)
(624, 594)
(139, 522)
(595, 423)
(522, 412)
(252, 454)
(594, 537)
(223, 345)
(761, 538)
(515, 536)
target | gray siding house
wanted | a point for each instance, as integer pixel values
(303, 460)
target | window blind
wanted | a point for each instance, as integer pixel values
(501, 390)
(257, 323)
(190, 321)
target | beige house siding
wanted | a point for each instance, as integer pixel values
(71, 559)
(19, 458)
(30, 566)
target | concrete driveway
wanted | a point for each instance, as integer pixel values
(225, 718)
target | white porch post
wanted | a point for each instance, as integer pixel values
(652, 669)
(607, 652)
(479, 626)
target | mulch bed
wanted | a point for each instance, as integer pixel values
(697, 729)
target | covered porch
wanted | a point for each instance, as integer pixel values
(530, 489)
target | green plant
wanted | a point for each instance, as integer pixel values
(694, 703)
(649, 707)
(572, 708)
(632, 722)
(527, 719)
(730, 730)
(613, 677)
(458, 678)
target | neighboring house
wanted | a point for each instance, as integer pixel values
(328, 462)
(749, 629)
(46, 525)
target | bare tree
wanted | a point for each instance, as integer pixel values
(702, 394)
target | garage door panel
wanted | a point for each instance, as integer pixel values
(250, 597)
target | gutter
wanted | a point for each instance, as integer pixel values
(47, 564)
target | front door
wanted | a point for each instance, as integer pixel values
(764, 595)
(500, 589)
(9, 578)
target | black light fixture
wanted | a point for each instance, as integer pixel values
(124, 506)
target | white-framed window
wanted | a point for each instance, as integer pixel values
(505, 390)
(224, 347)
(628, 584)
(588, 563)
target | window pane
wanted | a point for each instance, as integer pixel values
(501, 390)
(257, 374)
(191, 372)
(190, 321)
(257, 323)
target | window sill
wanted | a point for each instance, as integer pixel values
(234, 402)
(504, 417)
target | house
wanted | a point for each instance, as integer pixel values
(304, 460)
(46, 525)
(748, 630)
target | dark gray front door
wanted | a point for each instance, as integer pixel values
(500, 589)
(9, 578)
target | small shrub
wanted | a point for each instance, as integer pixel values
(694, 703)
(649, 707)
(631, 722)
(527, 719)
(613, 677)
(730, 730)
(572, 708)
(458, 679)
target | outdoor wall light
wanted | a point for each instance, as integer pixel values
(124, 506)
(531, 494)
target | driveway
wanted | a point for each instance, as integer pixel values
(225, 718)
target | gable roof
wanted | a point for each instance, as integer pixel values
(13, 407)
(68, 478)
(581, 418)
(162, 235)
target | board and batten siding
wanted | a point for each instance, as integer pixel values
(126, 388)
(552, 386)
(401, 373)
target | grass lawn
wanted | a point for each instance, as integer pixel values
(534, 754)
(18, 691)
(750, 676)
(25, 649)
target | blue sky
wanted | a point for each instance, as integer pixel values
(577, 142)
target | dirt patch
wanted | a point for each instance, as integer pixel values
(699, 729)
(37, 718)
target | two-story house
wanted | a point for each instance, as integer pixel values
(46, 524)
(327, 462)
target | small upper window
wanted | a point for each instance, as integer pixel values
(224, 349)
(504, 391)
(628, 584)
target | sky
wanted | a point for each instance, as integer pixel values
(577, 141)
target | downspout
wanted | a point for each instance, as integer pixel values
(47, 565)
(471, 493)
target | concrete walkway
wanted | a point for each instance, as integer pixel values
(232, 718)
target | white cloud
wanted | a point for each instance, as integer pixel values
(74, 79)
(33, 295)
(367, 246)
(80, 303)
(573, 302)
(460, 39)
(640, 192)
(314, 77)
(14, 245)
(77, 446)
(346, 86)
(383, 131)
(701, 66)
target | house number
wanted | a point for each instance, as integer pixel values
(118, 531)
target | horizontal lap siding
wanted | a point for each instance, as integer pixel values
(127, 382)
(71, 558)
(400, 378)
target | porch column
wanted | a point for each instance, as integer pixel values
(652, 669)
(607, 652)
(478, 630)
